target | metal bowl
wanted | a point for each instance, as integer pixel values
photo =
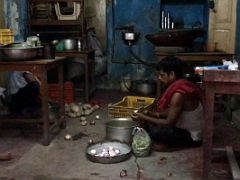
(125, 152)
(18, 53)
(175, 37)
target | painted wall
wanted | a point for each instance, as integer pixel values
(13, 15)
(145, 17)
(15, 12)
(2, 25)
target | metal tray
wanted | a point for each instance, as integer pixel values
(125, 152)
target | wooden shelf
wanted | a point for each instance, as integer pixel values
(54, 22)
(51, 28)
(49, 1)
(54, 32)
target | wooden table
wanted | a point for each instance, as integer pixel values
(86, 57)
(39, 68)
(215, 82)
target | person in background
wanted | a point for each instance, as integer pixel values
(24, 94)
(177, 116)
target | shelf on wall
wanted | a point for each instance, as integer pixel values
(53, 22)
(54, 32)
(49, 1)
(44, 21)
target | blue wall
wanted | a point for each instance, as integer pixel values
(146, 18)
(16, 18)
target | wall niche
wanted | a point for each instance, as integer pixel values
(185, 14)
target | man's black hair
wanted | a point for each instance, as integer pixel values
(171, 63)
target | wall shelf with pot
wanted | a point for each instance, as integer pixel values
(56, 19)
(64, 20)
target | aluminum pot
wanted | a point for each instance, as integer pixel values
(120, 129)
(145, 87)
(70, 44)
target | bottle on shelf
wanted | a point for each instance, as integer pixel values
(79, 45)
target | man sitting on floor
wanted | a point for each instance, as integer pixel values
(176, 121)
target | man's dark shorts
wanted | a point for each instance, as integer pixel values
(172, 136)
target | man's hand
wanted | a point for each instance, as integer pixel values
(138, 117)
(134, 116)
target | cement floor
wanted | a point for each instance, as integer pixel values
(65, 160)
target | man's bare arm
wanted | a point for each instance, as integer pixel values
(162, 114)
(175, 109)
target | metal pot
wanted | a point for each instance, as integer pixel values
(145, 87)
(48, 51)
(120, 129)
(126, 84)
(70, 44)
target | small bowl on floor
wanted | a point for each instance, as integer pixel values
(102, 152)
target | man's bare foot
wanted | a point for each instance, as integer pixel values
(5, 157)
(159, 147)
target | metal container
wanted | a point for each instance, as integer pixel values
(70, 44)
(18, 53)
(49, 51)
(124, 149)
(120, 129)
(145, 87)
